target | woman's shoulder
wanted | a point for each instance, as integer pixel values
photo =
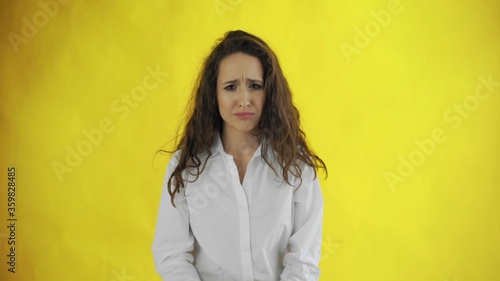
(175, 157)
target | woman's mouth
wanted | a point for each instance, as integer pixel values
(244, 115)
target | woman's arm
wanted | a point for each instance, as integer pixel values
(304, 246)
(173, 242)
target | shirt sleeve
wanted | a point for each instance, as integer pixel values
(304, 246)
(173, 241)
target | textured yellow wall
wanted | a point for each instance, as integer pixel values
(400, 98)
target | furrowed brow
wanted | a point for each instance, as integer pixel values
(230, 81)
(254, 80)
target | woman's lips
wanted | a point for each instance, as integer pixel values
(244, 115)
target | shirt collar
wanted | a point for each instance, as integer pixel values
(218, 147)
(217, 144)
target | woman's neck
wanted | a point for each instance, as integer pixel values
(240, 144)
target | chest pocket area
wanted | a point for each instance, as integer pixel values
(195, 198)
(204, 192)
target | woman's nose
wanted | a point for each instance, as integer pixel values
(245, 98)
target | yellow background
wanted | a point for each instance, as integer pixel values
(363, 113)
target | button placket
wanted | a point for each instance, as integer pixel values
(244, 220)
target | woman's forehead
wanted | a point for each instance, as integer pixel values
(240, 65)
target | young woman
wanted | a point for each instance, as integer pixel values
(241, 199)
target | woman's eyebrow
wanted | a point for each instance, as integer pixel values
(254, 80)
(231, 81)
(237, 80)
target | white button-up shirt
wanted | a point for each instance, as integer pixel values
(263, 229)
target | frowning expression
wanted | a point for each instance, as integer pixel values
(240, 92)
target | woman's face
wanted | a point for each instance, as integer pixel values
(240, 92)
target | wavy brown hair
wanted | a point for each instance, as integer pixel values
(279, 126)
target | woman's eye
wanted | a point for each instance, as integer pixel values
(255, 86)
(230, 87)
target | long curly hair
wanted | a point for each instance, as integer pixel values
(279, 126)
